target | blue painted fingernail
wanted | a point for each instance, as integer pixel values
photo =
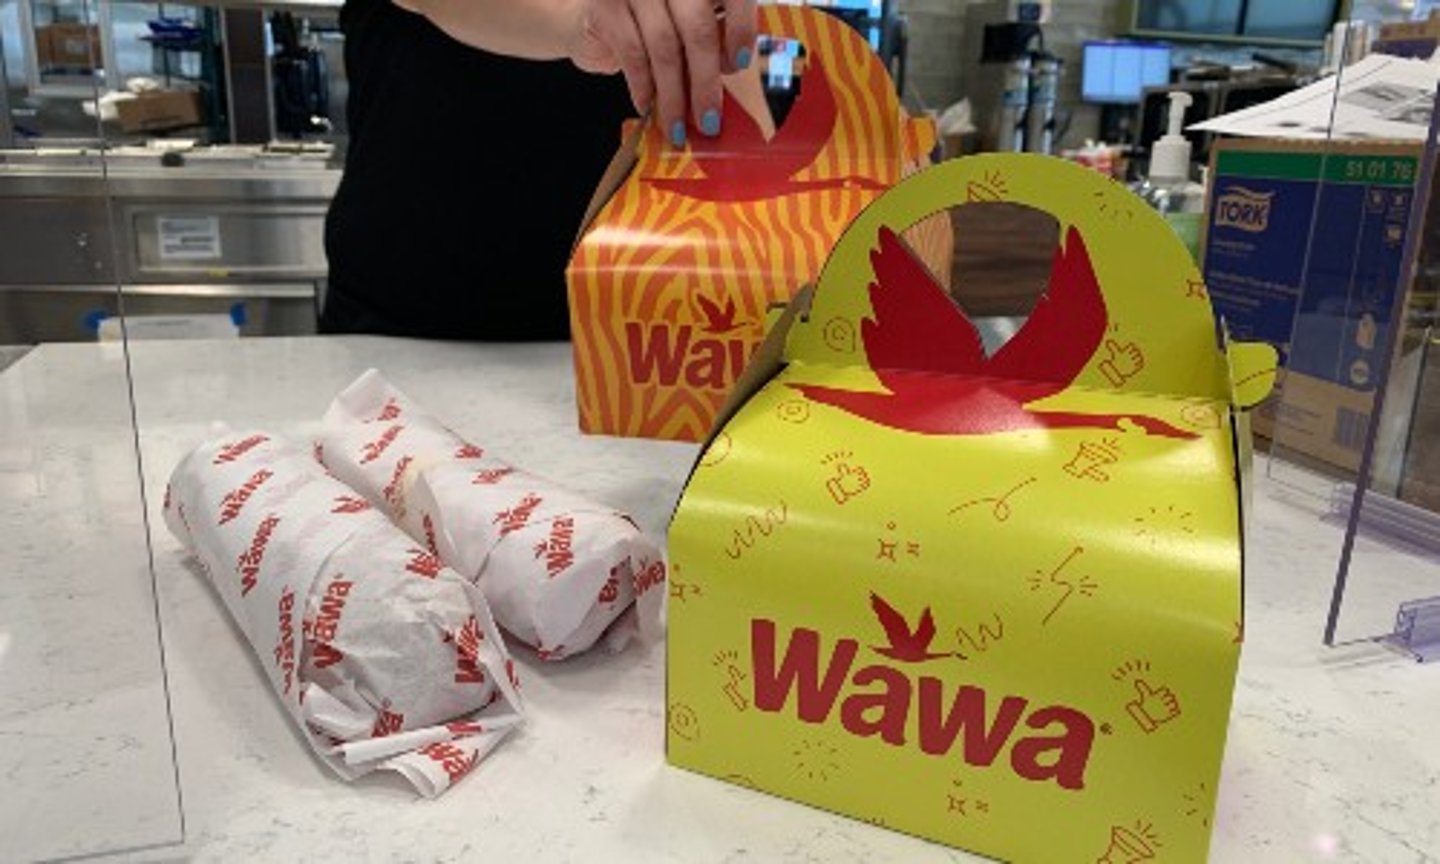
(677, 134)
(742, 58)
(710, 123)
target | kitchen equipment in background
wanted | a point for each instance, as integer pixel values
(184, 232)
(7, 125)
(1009, 74)
(301, 79)
(882, 25)
(1210, 99)
(1115, 74)
(1042, 102)
(1010, 121)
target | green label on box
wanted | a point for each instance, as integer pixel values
(1372, 170)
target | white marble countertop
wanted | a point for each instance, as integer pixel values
(1333, 754)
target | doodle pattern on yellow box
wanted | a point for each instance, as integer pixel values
(992, 601)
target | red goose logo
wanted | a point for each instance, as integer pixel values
(391, 492)
(373, 450)
(491, 476)
(904, 644)
(1046, 743)
(517, 517)
(249, 562)
(555, 549)
(937, 378)
(349, 504)
(387, 722)
(711, 354)
(740, 164)
(231, 452)
(716, 318)
(454, 761)
(234, 502)
(390, 411)
(425, 564)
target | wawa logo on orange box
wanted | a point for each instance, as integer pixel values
(711, 354)
(684, 251)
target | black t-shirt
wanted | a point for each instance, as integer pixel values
(465, 182)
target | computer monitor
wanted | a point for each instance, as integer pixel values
(1117, 73)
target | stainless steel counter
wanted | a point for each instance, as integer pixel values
(228, 225)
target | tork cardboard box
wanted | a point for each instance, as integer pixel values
(686, 249)
(994, 601)
(1304, 244)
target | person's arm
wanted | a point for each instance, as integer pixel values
(672, 53)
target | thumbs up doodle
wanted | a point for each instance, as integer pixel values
(1153, 706)
(1124, 362)
(847, 482)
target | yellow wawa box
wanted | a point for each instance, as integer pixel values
(994, 601)
(684, 250)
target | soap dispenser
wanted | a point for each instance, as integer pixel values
(1169, 188)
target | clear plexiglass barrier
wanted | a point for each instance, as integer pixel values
(1352, 431)
(86, 745)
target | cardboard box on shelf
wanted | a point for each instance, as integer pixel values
(1430, 27)
(1303, 250)
(68, 45)
(952, 594)
(1409, 38)
(159, 109)
(685, 249)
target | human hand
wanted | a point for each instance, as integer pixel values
(672, 53)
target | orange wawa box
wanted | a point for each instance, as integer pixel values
(993, 600)
(684, 250)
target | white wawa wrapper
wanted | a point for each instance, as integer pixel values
(557, 569)
(384, 657)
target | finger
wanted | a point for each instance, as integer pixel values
(700, 31)
(615, 27)
(665, 54)
(1113, 347)
(740, 31)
